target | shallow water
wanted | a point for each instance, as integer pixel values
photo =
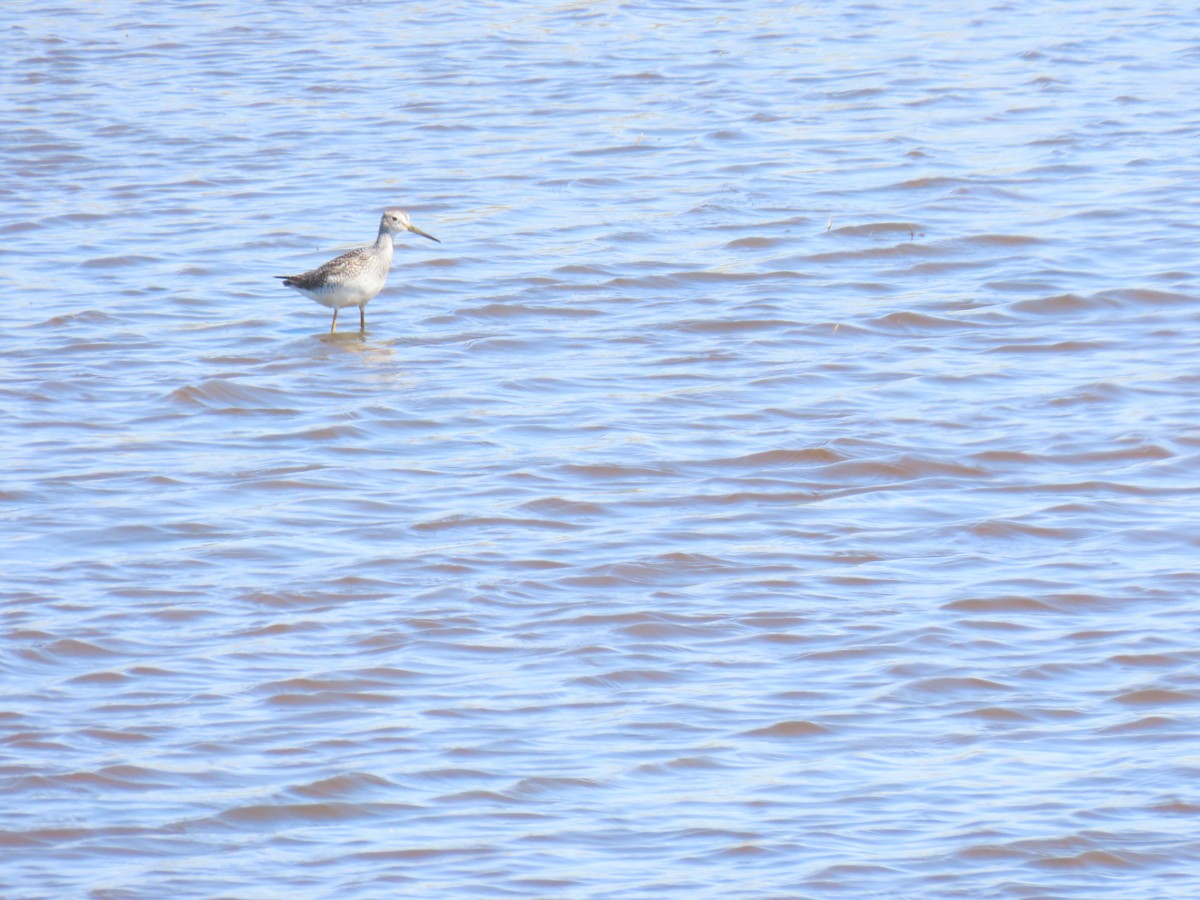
(779, 482)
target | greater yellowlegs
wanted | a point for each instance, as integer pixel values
(353, 278)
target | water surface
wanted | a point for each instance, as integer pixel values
(779, 482)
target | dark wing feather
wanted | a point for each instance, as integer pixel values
(334, 270)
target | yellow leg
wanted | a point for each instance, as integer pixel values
(333, 327)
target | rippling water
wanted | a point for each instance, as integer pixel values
(779, 482)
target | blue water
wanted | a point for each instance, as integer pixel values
(778, 482)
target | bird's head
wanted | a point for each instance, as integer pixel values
(396, 221)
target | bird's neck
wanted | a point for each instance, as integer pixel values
(384, 242)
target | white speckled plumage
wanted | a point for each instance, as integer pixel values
(354, 278)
